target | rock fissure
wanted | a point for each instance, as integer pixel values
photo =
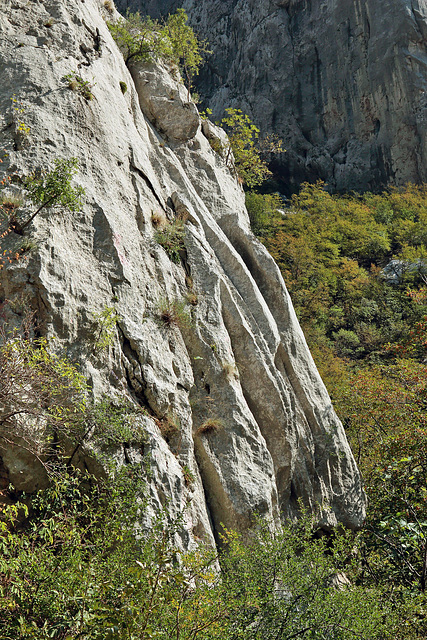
(148, 182)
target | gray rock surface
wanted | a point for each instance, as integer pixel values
(242, 362)
(343, 83)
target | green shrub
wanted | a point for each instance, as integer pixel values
(281, 586)
(42, 397)
(51, 190)
(144, 39)
(77, 84)
(244, 147)
(114, 422)
(262, 209)
(80, 546)
(123, 87)
(106, 322)
(189, 477)
(346, 342)
(187, 49)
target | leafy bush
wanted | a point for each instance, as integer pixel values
(106, 322)
(108, 583)
(66, 550)
(50, 190)
(138, 38)
(262, 209)
(384, 410)
(243, 149)
(281, 586)
(113, 422)
(41, 397)
(144, 39)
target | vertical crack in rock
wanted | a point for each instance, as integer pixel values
(134, 373)
(272, 407)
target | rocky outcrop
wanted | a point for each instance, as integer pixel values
(343, 83)
(236, 418)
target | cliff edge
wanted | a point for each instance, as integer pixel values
(241, 362)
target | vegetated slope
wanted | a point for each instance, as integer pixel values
(342, 83)
(201, 331)
(354, 265)
(356, 269)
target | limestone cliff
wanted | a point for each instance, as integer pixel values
(242, 360)
(343, 82)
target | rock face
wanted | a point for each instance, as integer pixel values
(343, 82)
(232, 399)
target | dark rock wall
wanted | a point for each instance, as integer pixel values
(343, 82)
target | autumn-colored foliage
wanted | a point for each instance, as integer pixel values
(349, 262)
(356, 268)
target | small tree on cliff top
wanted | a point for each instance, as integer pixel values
(146, 40)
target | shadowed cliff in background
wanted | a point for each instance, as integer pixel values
(342, 82)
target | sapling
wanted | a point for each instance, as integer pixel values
(244, 151)
(52, 189)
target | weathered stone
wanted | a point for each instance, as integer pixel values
(343, 83)
(165, 102)
(242, 361)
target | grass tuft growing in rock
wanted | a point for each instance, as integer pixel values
(158, 219)
(230, 370)
(109, 5)
(169, 426)
(211, 425)
(171, 238)
(173, 313)
(9, 203)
